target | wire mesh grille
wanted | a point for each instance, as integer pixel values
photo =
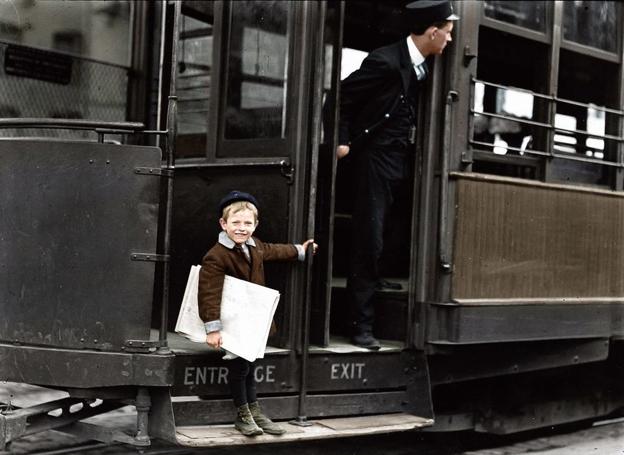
(96, 91)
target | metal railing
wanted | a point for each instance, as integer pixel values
(549, 126)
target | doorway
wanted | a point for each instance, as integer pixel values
(365, 26)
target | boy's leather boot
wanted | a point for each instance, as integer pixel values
(263, 421)
(245, 423)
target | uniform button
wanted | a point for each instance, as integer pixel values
(366, 131)
(387, 115)
(401, 96)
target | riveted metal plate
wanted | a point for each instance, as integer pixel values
(72, 213)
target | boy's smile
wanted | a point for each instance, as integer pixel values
(239, 226)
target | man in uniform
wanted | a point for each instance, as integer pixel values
(377, 126)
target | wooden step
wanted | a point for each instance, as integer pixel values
(222, 435)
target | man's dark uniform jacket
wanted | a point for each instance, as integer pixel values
(371, 95)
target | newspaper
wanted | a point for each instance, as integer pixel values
(247, 311)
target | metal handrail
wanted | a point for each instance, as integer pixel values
(517, 89)
(546, 125)
(508, 147)
(553, 100)
(549, 97)
(70, 124)
(570, 157)
(513, 119)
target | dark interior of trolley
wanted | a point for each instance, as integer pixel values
(369, 25)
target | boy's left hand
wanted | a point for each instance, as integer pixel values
(307, 243)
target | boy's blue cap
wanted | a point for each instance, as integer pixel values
(235, 196)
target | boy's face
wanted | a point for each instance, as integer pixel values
(239, 226)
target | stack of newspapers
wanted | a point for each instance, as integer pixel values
(247, 311)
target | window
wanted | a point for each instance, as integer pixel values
(195, 63)
(530, 15)
(83, 28)
(585, 120)
(257, 70)
(57, 61)
(592, 23)
(508, 111)
(525, 123)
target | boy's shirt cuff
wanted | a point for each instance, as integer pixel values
(300, 253)
(213, 326)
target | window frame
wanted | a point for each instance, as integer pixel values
(242, 149)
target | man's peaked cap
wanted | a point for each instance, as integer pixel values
(429, 12)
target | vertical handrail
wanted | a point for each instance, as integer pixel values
(301, 419)
(443, 241)
(172, 111)
(161, 64)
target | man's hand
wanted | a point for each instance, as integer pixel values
(307, 243)
(213, 339)
(342, 151)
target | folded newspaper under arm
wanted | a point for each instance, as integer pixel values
(247, 311)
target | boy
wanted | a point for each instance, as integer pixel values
(240, 255)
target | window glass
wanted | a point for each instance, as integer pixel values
(43, 84)
(565, 142)
(257, 70)
(502, 134)
(592, 23)
(524, 14)
(570, 136)
(84, 28)
(505, 103)
(594, 83)
(195, 61)
(596, 124)
(57, 62)
(586, 90)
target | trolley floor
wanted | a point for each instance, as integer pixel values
(337, 345)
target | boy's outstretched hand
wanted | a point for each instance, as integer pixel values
(307, 243)
(213, 339)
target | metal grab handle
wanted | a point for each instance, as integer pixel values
(301, 419)
(443, 254)
(70, 124)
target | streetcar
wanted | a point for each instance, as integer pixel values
(123, 123)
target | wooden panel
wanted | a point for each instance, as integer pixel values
(518, 239)
(465, 363)
(466, 324)
(205, 412)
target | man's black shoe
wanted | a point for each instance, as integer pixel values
(383, 284)
(366, 340)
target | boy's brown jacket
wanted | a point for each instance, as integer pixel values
(221, 260)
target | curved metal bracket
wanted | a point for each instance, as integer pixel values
(288, 171)
(469, 55)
